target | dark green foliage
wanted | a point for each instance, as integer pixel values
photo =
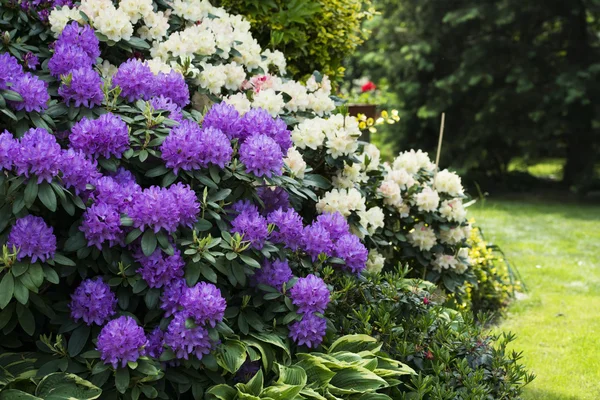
(455, 358)
(515, 79)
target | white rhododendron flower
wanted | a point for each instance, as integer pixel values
(373, 154)
(156, 26)
(413, 161)
(106, 69)
(463, 254)
(212, 78)
(448, 182)
(402, 178)
(275, 58)
(444, 261)
(422, 237)
(391, 193)
(453, 210)
(452, 236)
(295, 162)
(60, 17)
(235, 76)
(192, 10)
(309, 133)
(372, 219)
(375, 262)
(92, 8)
(270, 101)
(136, 9)
(350, 175)
(428, 200)
(343, 200)
(239, 101)
(114, 24)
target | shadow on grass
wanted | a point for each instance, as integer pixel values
(540, 394)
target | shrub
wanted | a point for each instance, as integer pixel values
(452, 355)
(154, 250)
(314, 35)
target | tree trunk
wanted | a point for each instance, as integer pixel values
(579, 168)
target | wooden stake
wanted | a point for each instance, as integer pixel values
(439, 149)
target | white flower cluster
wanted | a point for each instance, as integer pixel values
(372, 219)
(295, 162)
(342, 200)
(375, 262)
(337, 134)
(422, 236)
(449, 262)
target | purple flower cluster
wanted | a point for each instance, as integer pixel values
(163, 103)
(33, 90)
(188, 147)
(37, 153)
(93, 302)
(77, 170)
(273, 198)
(262, 156)
(136, 80)
(288, 228)
(33, 238)
(118, 191)
(353, 252)
(102, 223)
(120, 341)
(159, 269)
(8, 147)
(83, 37)
(202, 303)
(316, 240)
(31, 60)
(310, 294)
(168, 209)
(66, 58)
(309, 331)
(252, 226)
(156, 342)
(106, 136)
(184, 341)
(226, 118)
(83, 87)
(274, 273)
(259, 122)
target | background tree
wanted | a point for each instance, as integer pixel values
(517, 78)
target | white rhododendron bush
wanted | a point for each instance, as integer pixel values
(175, 214)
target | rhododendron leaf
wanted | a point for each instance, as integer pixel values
(31, 191)
(149, 242)
(21, 293)
(47, 196)
(11, 95)
(78, 340)
(250, 261)
(26, 319)
(7, 285)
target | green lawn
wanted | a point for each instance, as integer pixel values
(556, 248)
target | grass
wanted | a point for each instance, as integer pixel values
(556, 248)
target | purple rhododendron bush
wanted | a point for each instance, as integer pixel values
(175, 214)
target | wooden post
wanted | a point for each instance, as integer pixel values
(439, 149)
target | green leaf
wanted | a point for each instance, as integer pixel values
(122, 379)
(355, 344)
(50, 274)
(37, 274)
(221, 392)
(11, 95)
(149, 243)
(78, 340)
(356, 380)
(47, 196)
(7, 287)
(21, 293)
(250, 261)
(131, 236)
(220, 195)
(138, 43)
(61, 386)
(231, 355)
(14, 394)
(75, 242)
(31, 191)
(26, 319)
(202, 225)
(19, 268)
(62, 260)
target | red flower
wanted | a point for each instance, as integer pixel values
(367, 87)
(425, 300)
(429, 355)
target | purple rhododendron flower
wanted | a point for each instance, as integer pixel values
(187, 204)
(273, 273)
(105, 136)
(8, 148)
(262, 156)
(274, 198)
(184, 341)
(156, 342)
(252, 226)
(160, 269)
(241, 206)
(188, 147)
(120, 341)
(353, 252)
(118, 191)
(85, 88)
(10, 69)
(224, 117)
(171, 297)
(172, 86)
(135, 79)
(259, 122)
(33, 238)
(34, 92)
(78, 171)
(102, 223)
(288, 228)
(203, 303)
(66, 58)
(93, 302)
(163, 103)
(310, 294)
(316, 240)
(309, 331)
(38, 154)
(82, 36)
(335, 224)
(31, 60)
